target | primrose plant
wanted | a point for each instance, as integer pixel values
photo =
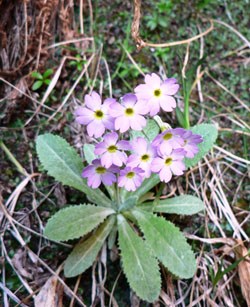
(130, 155)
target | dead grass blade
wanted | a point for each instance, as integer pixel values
(71, 41)
(73, 87)
(227, 153)
(49, 90)
(11, 295)
(12, 200)
(242, 37)
(227, 91)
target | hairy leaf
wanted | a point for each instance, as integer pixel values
(184, 204)
(168, 244)
(112, 236)
(88, 150)
(85, 252)
(64, 164)
(209, 134)
(140, 266)
(149, 132)
(128, 204)
(75, 221)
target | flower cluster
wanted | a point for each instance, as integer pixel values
(128, 162)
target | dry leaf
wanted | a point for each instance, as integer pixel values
(244, 270)
(48, 296)
(20, 263)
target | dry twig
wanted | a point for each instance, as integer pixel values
(140, 43)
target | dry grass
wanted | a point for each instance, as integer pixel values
(217, 180)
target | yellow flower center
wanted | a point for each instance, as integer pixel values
(130, 175)
(129, 112)
(99, 114)
(167, 136)
(157, 93)
(145, 158)
(100, 170)
(112, 148)
(168, 161)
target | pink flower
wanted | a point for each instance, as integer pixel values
(169, 162)
(142, 156)
(130, 178)
(110, 150)
(96, 174)
(190, 142)
(171, 138)
(95, 115)
(157, 93)
(129, 113)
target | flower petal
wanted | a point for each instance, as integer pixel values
(96, 129)
(167, 103)
(165, 174)
(93, 101)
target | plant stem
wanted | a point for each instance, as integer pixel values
(186, 111)
(158, 194)
(118, 201)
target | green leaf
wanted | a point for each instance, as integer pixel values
(149, 132)
(128, 204)
(222, 270)
(152, 24)
(72, 63)
(79, 66)
(47, 81)
(37, 85)
(145, 197)
(140, 266)
(180, 116)
(88, 150)
(85, 252)
(184, 204)
(64, 164)
(112, 236)
(168, 244)
(162, 22)
(75, 221)
(209, 134)
(37, 75)
(147, 185)
(47, 73)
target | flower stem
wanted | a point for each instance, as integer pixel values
(118, 201)
(186, 111)
(158, 194)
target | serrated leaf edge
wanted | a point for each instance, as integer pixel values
(77, 263)
(151, 254)
(155, 208)
(81, 205)
(184, 240)
(73, 151)
(81, 183)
